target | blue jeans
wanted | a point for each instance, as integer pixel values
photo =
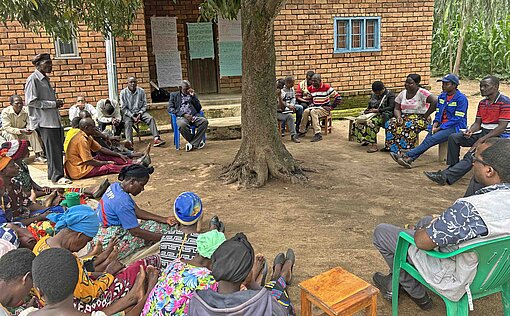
(430, 140)
(299, 113)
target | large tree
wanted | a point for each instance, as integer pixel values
(262, 154)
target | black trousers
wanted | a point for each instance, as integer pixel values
(53, 140)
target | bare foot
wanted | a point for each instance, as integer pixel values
(102, 265)
(114, 267)
(259, 260)
(48, 201)
(286, 272)
(96, 249)
(255, 273)
(152, 277)
(137, 292)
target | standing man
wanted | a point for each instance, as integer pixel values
(14, 122)
(451, 117)
(44, 116)
(324, 99)
(108, 113)
(186, 107)
(81, 105)
(492, 120)
(134, 106)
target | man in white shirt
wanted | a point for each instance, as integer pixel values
(108, 113)
(81, 104)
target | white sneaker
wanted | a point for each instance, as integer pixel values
(201, 145)
(189, 147)
(40, 160)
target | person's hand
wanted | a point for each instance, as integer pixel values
(476, 144)
(327, 108)
(170, 220)
(400, 120)
(435, 129)
(47, 190)
(26, 131)
(60, 103)
(188, 117)
(191, 91)
(115, 121)
(292, 107)
(468, 133)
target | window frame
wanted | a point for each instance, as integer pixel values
(59, 55)
(348, 39)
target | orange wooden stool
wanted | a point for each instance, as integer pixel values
(326, 123)
(338, 292)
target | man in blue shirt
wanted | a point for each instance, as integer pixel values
(450, 117)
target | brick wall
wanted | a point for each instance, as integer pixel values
(304, 39)
(85, 75)
(185, 11)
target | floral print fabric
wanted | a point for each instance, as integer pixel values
(175, 287)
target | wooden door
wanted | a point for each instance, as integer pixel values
(202, 72)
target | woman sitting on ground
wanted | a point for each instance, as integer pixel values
(119, 214)
(183, 277)
(413, 107)
(231, 264)
(55, 275)
(182, 242)
(382, 104)
(99, 289)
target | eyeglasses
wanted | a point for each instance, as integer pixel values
(476, 159)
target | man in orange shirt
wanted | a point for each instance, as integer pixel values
(79, 160)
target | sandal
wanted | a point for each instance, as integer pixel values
(372, 150)
(279, 259)
(290, 256)
(101, 190)
(63, 181)
(264, 274)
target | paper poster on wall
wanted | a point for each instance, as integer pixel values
(200, 40)
(164, 34)
(229, 30)
(169, 70)
(230, 56)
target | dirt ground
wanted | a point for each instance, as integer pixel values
(330, 220)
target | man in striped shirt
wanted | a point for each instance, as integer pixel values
(324, 99)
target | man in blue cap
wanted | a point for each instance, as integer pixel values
(451, 117)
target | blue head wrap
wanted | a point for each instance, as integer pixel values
(80, 218)
(188, 208)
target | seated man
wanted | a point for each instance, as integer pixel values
(492, 120)
(289, 98)
(186, 107)
(324, 99)
(79, 162)
(451, 117)
(108, 113)
(284, 111)
(14, 125)
(74, 111)
(481, 217)
(134, 106)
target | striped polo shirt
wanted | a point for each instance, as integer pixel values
(492, 114)
(324, 95)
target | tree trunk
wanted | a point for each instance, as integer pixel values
(460, 45)
(262, 154)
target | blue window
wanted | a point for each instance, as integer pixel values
(357, 34)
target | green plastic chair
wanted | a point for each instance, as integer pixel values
(492, 276)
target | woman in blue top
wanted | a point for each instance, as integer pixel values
(119, 215)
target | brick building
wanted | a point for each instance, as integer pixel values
(349, 42)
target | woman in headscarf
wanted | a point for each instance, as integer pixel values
(182, 278)
(231, 265)
(182, 242)
(413, 107)
(95, 290)
(119, 213)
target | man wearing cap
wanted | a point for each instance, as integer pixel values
(14, 123)
(44, 116)
(492, 118)
(451, 117)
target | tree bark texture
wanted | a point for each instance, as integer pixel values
(262, 154)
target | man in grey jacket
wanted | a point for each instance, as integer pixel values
(480, 217)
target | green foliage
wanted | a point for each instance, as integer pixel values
(227, 9)
(481, 28)
(60, 18)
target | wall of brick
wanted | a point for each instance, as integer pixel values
(185, 11)
(84, 75)
(304, 39)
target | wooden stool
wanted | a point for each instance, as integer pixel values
(442, 151)
(338, 292)
(350, 136)
(326, 122)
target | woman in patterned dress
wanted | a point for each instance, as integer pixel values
(413, 107)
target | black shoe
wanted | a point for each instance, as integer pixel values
(295, 139)
(383, 283)
(317, 137)
(395, 156)
(384, 149)
(301, 134)
(438, 177)
(425, 303)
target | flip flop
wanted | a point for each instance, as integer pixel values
(264, 273)
(102, 189)
(290, 256)
(279, 259)
(63, 181)
(372, 150)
